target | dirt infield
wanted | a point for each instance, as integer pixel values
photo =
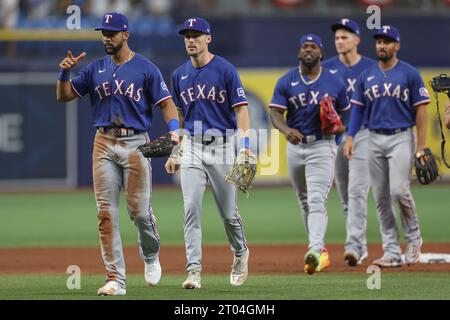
(216, 259)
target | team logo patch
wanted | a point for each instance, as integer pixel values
(241, 92)
(164, 86)
(424, 92)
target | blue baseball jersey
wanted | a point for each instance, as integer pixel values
(301, 97)
(350, 75)
(390, 96)
(122, 94)
(208, 94)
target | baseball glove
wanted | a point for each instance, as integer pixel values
(161, 147)
(243, 171)
(331, 122)
(426, 167)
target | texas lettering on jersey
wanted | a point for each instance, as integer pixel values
(122, 93)
(208, 94)
(301, 98)
(390, 96)
(387, 90)
(107, 88)
(203, 91)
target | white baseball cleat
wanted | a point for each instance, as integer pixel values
(193, 280)
(152, 272)
(388, 262)
(239, 269)
(363, 257)
(111, 288)
(412, 254)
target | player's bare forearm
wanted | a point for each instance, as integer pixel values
(421, 124)
(292, 135)
(64, 91)
(243, 120)
(169, 111)
(278, 121)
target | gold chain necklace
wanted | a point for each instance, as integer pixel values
(129, 58)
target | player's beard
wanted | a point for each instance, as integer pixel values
(112, 49)
(309, 63)
(385, 57)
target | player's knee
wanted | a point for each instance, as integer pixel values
(104, 221)
(316, 199)
(398, 193)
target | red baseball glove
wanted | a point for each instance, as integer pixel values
(331, 122)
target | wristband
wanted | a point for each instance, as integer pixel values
(64, 75)
(173, 124)
(245, 143)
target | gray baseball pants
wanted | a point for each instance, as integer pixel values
(390, 164)
(353, 182)
(311, 169)
(203, 164)
(117, 164)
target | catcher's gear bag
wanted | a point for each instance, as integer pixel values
(161, 147)
(331, 122)
(426, 167)
(441, 84)
(243, 171)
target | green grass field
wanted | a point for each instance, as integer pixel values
(271, 215)
(282, 287)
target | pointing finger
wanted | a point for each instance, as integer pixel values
(81, 56)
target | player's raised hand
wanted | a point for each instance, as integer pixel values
(70, 61)
(349, 148)
(293, 135)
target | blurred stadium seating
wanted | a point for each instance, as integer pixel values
(250, 33)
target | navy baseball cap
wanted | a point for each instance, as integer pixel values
(197, 24)
(347, 24)
(114, 21)
(389, 32)
(310, 38)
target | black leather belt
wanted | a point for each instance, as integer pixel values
(119, 132)
(315, 137)
(389, 132)
(207, 140)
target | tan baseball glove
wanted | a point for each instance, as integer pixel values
(243, 171)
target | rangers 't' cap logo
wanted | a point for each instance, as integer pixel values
(197, 24)
(346, 24)
(388, 32)
(310, 38)
(114, 21)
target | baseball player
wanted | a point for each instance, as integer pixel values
(351, 177)
(310, 154)
(395, 97)
(122, 87)
(209, 95)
